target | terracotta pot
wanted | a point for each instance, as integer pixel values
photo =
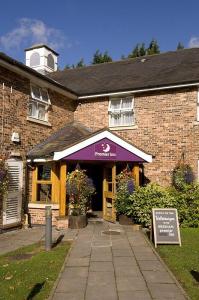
(124, 220)
(76, 222)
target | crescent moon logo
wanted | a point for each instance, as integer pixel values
(106, 147)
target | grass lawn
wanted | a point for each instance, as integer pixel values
(184, 261)
(30, 272)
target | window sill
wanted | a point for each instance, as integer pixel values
(42, 205)
(123, 127)
(38, 121)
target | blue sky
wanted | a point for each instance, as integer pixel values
(77, 28)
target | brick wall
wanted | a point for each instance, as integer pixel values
(13, 117)
(15, 114)
(165, 127)
(37, 216)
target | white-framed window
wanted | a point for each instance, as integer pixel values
(121, 111)
(39, 103)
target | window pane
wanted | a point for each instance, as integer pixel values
(115, 119)
(35, 92)
(33, 109)
(41, 112)
(115, 104)
(127, 118)
(44, 172)
(44, 192)
(127, 103)
(44, 95)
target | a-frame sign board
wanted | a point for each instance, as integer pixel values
(165, 226)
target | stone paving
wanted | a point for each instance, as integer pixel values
(13, 240)
(110, 261)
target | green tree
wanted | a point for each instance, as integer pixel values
(123, 57)
(142, 50)
(180, 46)
(80, 63)
(135, 52)
(153, 48)
(67, 67)
(139, 50)
(99, 57)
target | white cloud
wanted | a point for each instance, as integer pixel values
(32, 31)
(194, 42)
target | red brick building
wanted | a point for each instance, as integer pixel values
(148, 103)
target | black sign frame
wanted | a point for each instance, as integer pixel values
(169, 225)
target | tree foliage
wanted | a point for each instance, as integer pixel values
(180, 46)
(79, 64)
(125, 187)
(153, 48)
(79, 189)
(99, 57)
(141, 50)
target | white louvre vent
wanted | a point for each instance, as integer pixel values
(13, 201)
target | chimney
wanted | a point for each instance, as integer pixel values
(41, 58)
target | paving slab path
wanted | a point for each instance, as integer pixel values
(12, 240)
(113, 262)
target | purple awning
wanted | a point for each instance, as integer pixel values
(104, 150)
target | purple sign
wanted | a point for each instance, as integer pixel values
(104, 150)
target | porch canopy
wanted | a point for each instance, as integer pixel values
(76, 142)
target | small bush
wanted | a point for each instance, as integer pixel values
(144, 199)
(187, 204)
(80, 188)
(125, 187)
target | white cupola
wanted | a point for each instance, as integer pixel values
(41, 58)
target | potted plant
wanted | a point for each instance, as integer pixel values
(3, 179)
(125, 187)
(80, 188)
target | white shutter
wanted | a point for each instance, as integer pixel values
(13, 202)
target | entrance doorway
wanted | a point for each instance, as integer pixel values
(103, 177)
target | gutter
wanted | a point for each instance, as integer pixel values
(139, 91)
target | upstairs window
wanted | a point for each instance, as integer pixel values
(39, 103)
(121, 112)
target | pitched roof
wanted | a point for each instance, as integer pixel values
(171, 68)
(28, 70)
(68, 135)
(37, 46)
(75, 136)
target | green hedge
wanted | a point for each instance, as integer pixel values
(139, 204)
(146, 198)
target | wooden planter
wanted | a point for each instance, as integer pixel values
(124, 220)
(76, 222)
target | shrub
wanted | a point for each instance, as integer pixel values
(187, 204)
(79, 189)
(144, 199)
(125, 187)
